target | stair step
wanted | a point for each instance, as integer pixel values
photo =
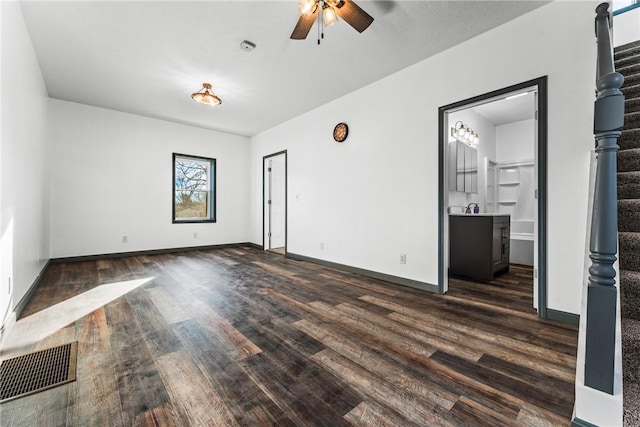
(628, 185)
(629, 139)
(629, 160)
(632, 104)
(632, 120)
(626, 47)
(629, 70)
(631, 337)
(631, 79)
(625, 53)
(629, 215)
(630, 294)
(629, 250)
(631, 371)
(631, 91)
(628, 58)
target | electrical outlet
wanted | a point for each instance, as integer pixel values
(195, 235)
(403, 258)
(322, 246)
(125, 239)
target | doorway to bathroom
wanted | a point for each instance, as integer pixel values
(503, 138)
(274, 207)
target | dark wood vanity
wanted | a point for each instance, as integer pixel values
(479, 245)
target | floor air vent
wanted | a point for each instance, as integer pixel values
(37, 371)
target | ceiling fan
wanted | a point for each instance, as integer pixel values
(331, 9)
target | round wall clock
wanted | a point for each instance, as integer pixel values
(340, 132)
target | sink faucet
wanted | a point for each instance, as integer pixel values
(468, 208)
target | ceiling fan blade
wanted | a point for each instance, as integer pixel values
(303, 26)
(354, 15)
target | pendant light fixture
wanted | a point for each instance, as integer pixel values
(205, 96)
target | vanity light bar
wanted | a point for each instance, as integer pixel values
(465, 134)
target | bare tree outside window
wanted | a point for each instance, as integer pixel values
(193, 189)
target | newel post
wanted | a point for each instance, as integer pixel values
(601, 293)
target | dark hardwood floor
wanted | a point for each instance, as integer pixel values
(238, 336)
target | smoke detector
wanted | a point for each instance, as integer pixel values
(247, 46)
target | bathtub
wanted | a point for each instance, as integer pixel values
(521, 242)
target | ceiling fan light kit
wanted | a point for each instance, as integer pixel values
(329, 15)
(350, 12)
(307, 7)
(205, 96)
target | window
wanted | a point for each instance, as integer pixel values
(621, 6)
(194, 189)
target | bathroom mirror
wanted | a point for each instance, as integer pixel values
(471, 168)
(463, 168)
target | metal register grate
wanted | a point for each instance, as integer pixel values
(37, 371)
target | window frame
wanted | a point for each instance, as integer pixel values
(625, 8)
(212, 183)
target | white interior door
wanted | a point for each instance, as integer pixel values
(278, 201)
(275, 201)
(267, 204)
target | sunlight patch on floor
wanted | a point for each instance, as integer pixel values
(40, 325)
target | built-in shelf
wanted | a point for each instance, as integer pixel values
(514, 180)
(513, 165)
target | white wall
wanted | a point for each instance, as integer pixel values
(515, 141)
(113, 178)
(375, 196)
(626, 27)
(24, 163)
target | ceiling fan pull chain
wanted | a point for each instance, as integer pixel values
(320, 29)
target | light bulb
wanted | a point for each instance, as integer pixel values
(329, 16)
(307, 7)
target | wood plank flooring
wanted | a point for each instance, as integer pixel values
(242, 337)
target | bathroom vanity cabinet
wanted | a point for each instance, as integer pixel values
(478, 245)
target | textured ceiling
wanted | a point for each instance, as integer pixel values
(147, 57)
